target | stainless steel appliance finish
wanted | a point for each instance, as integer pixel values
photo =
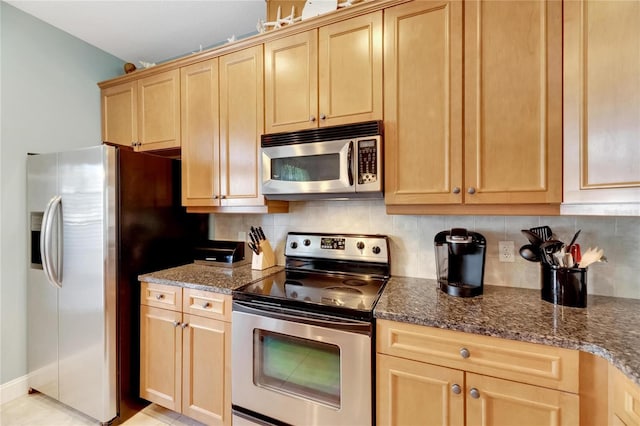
(95, 226)
(302, 340)
(325, 163)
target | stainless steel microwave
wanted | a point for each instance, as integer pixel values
(335, 162)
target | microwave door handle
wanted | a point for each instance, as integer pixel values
(350, 163)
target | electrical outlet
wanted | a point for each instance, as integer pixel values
(506, 251)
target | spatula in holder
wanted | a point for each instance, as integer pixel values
(265, 259)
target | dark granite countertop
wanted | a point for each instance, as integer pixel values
(209, 278)
(608, 326)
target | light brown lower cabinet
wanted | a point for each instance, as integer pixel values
(185, 349)
(440, 377)
(624, 400)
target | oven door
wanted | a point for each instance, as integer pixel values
(309, 168)
(301, 370)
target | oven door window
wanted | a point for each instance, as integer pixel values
(309, 168)
(305, 368)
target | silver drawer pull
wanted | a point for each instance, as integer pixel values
(176, 323)
(456, 389)
(205, 305)
(464, 353)
(184, 325)
(475, 393)
(159, 296)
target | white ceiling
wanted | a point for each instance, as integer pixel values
(150, 30)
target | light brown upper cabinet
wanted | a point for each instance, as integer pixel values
(496, 142)
(222, 120)
(120, 113)
(602, 107)
(326, 76)
(200, 134)
(143, 114)
(159, 111)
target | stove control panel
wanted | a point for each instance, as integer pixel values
(363, 248)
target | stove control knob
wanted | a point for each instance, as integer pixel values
(293, 245)
(294, 295)
(376, 250)
(307, 242)
(360, 245)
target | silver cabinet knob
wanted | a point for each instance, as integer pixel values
(323, 117)
(159, 296)
(205, 305)
(456, 189)
(475, 393)
(184, 325)
(312, 118)
(471, 190)
(456, 389)
(176, 323)
(464, 353)
(215, 197)
(223, 196)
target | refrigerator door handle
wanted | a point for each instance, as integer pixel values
(51, 271)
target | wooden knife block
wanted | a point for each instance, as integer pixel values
(266, 258)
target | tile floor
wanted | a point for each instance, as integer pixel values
(39, 410)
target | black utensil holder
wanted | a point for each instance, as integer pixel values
(564, 286)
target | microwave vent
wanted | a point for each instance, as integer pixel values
(321, 134)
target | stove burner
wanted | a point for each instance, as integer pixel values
(354, 282)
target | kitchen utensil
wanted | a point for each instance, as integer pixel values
(548, 248)
(530, 253)
(544, 232)
(574, 249)
(590, 256)
(261, 233)
(254, 248)
(573, 240)
(533, 238)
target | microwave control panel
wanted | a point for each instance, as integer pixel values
(367, 161)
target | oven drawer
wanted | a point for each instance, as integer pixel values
(207, 304)
(161, 296)
(524, 362)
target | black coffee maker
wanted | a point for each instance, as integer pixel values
(460, 258)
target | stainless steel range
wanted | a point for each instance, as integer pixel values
(302, 340)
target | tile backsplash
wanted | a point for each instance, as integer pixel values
(411, 239)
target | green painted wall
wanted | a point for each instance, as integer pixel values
(50, 102)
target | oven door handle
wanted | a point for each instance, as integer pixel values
(362, 327)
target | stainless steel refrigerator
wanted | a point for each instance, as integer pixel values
(98, 218)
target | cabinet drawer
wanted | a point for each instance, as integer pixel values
(624, 399)
(531, 363)
(161, 296)
(207, 304)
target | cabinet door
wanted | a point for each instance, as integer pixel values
(159, 111)
(160, 356)
(241, 124)
(291, 82)
(513, 102)
(119, 114)
(423, 102)
(350, 70)
(493, 401)
(200, 134)
(602, 102)
(624, 399)
(412, 393)
(206, 388)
